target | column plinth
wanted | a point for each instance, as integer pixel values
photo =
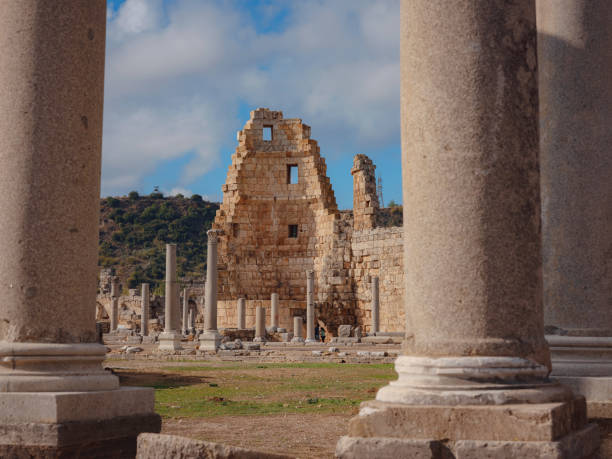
(210, 340)
(56, 400)
(574, 43)
(475, 354)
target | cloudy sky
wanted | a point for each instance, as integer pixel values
(182, 76)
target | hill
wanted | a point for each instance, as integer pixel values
(135, 229)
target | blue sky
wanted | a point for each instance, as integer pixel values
(182, 76)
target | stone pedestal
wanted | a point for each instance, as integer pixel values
(56, 400)
(145, 307)
(297, 330)
(241, 313)
(274, 311)
(114, 312)
(375, 306)
(210, 339)
(260, 324)
(170, 339)
(473, 374)
(575, 64)
(310, 312)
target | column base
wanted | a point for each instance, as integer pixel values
(550, 430)
(311, 340)
(259, 339)
(169, 341)
(75, 424)
(297, 339)
(210, 340)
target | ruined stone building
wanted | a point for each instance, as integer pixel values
(279, 219)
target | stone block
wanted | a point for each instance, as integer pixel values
(344, 331)
(152, 446)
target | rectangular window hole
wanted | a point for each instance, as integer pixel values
(293, 231)
(292, 174)
(235, 230)
(267, 133)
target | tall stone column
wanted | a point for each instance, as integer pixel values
(185, 324)
(375, 305)
(170, 339)
(145, 308)
(51, 98)
(241, 313)
(260, 324)
(298, 324)
(191, 321)
(210, 339)
(575, 55)
(114, 313)
(473, 374)
(274, 311)
(310, 312)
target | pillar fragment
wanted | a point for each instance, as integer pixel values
(475, 346)
(51, 374)
(310, 312)
(145, 306)
(298, 324)
(210, 339)
(170, 339)
(575, 64)
(185, 324)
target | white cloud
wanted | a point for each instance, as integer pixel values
(175, 77)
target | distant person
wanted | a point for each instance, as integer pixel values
(322, 335)
(317, 332)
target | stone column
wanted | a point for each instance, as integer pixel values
(144, 310)
(575, 55)
(114, 312)
(375, 305)
(185, 325)
(475, 346)
(274, 311)
(51, 99)
(310, 312)
(191, 321)
(298, 323)
(260, 324)
(241, 313)
(210, 339)
(170, 339)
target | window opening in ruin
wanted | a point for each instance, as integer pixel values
(267, 133)
(293, 231)
(235, 229)
(292, 174)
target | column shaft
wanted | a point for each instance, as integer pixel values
(144, 310)
(185, 326)
(114, 309)
(260, 324)
(375, 305)
(240, 313)
(171, 298)
(298, 324)
(211, 282)
(274, 310)
(310, 312)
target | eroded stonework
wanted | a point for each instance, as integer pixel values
(279, 219)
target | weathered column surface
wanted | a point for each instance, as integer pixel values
(575, 55)
(310, 312)
(145, 306)
(185, 324)
(191, 320)
(375, 305)
(274, 311)
(114, 309)
(51, 98)
(260, 324)
(241, 313)
(170, 339)
(298, 324)
(210, 339)
(475, 346)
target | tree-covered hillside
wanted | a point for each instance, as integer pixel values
(135, 229)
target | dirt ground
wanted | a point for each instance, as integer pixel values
(295, 409)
